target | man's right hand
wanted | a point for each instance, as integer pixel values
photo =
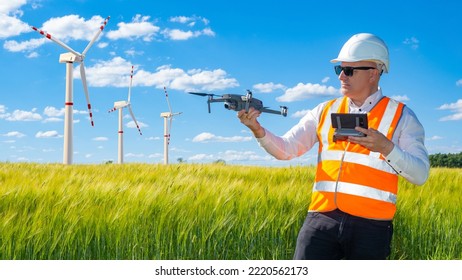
(249, 119)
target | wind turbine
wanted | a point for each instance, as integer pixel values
(168, 116)
(69, 58)
(119, 105)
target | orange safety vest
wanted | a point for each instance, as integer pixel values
(349, 176)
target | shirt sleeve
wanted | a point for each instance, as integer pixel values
(409, 157)
(295, 142)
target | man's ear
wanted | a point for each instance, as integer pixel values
(374, 76)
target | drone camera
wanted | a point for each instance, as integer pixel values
(230, 106)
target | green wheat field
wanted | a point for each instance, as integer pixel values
(198, 212)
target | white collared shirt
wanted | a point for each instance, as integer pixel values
(409, 157)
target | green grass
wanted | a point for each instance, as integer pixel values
(187, 211)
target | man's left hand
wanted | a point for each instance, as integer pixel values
(375, 141)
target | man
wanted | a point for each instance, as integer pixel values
(356, 184)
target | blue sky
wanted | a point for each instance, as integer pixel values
(278, 49)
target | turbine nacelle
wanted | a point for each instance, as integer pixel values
(69, 58)
(169, 114)
(121, 104)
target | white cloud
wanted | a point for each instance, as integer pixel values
(48, 134)
(401, 98)
(14, 46)
(455, 108)
(190, 21)
(156, 155)
(268, 87)
(453, 117)
(99, 139)
(139, 27)
(32, 55)
(181, 35)
(9, 6)
(115, 72)
(55, 115)
(459, 83)
(132, 155)
(181, 19)
(52, 120)
(299, 114)
(51, 111)
(413, 42)
(198, 79)
(10, 24)
(230, 155)
(305, 91)
(207, 137)
(434, 138)
(132, 52)
(102, 45)
(73, 27)
(22, 159)
(201, 157)
(20, 115)
(66, 28)
(131, 124)
(325, 80)
(16, 134)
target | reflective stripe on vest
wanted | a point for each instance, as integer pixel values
(358, 190)
(351, 177)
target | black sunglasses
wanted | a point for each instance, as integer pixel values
(348, 71)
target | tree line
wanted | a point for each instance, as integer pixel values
(446, 160)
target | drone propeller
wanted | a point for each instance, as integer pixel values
(210, 95)
(203, 94)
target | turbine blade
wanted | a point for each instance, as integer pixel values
(101, 28)
(130, 87)
(168, 102)
(56, 40)
(133, 117)
(112, 110)
(85, 89)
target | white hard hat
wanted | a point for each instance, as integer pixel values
(364, 46)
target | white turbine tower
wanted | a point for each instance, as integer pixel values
(168, 116)
(69, 58)
(119, 105)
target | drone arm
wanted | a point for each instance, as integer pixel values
(270, 111)
(282, 112)
(211, 100)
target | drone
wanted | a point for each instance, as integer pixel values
(238, 102)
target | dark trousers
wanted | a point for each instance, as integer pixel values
(337, 235)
